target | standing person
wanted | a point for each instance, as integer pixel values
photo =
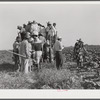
(55, 31)
(47, 30)
(76, 50)
(50, 36)
(42, 38)
(37, 46)
(79, 53)
(43, 31)
(24, 26)
(28, 27)
(16, 47)
(58, 52)
(24, 51)
(46, 48)
(21, 31)
(30, 40)
(51, 33)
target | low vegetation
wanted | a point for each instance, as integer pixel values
(48, 77)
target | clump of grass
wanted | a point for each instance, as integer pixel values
(61, 79)
(14, 80)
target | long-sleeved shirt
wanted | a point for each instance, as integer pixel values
(43, 31)
(30, 49)
(54, 30)
(58, 46)
(42, 39)
(24, 49)
(34, 27)
(28, 28)
(16, 46)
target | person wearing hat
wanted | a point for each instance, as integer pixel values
(16, 47)
(28, 27)
(30, 40)
(43, 31)
(21, 31)
(51, 32)
(58, 53)
(46, 50)
(42, 38)
(79, 51)
(48, 23)
(24, 25)
(24, 51)
(54, 32)
(37, 46)
(47, 30)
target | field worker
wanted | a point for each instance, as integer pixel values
(80, 58)
(51, 33)
(24, 26)
(38, 49)
(76, 50)
(58, 52)
(54, 27)
(24, 51)
(77, 47)
(30, 40)
(46, 47)
(28, 26)
(34, 27)
(16, 47)
(42, 38)
(43, 31)
(47, 30)
(18, 31)
(22, 31)
(55, 32)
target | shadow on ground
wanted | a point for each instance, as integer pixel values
(7, 67)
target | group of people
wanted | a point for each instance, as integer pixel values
(36, 43)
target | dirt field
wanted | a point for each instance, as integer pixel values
(48, 77)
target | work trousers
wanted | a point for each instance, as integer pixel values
(38, 55)
(24, 65)
(59, 59)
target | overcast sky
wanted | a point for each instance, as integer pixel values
(74, 21)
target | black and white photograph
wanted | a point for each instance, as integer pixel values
(45, 46)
